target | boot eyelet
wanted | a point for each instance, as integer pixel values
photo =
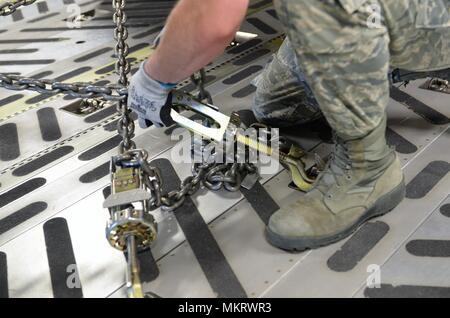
(349, 177)
(329, 196)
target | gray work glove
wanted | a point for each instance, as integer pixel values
(150, 99)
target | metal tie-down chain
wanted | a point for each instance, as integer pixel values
(9, 7)
(110, 92)
(125, 125)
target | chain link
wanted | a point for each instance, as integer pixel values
(125, 125)
(212, 176)
(10, 7)
(110, 92)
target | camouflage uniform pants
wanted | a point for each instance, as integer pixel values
(344, 49)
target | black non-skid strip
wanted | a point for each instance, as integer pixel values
(239, 76)
(112, 126)
(48, 123)
(20, 216)
(147, 33)
(251, 57)
(42, 74)
(445, 210)
(358, 246)
(102, 83)
(407, 291)
(42, 161)
(261, 201)
(138, 47)
(273, 13)
(429, 248)
(4, 293)
(244, 46)
(17, 15)
(21, 190)
(10, 99)
(399, 142)
(260, 4)
(427, 179)
(111, 67)
(418, 107)
(100, 149)
(61, 260)
(44, 17)
(9, 142)
(18, 51)
(72, 74)
(100, 115)
(38, 98)
(261, 25)
(86, 27)
(42, 7)
(95, 174)
(244, 92)
(27, 62)
(91, 55)
(215, 266)
(35, 40)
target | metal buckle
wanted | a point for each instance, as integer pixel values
(218, 121)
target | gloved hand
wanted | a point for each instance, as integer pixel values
(150, 99)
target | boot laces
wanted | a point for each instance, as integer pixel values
(338, 167)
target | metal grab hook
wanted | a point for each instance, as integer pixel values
(219, 125)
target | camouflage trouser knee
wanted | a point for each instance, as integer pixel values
(283, 98)
(346, 47)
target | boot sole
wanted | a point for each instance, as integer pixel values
(382, 206)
